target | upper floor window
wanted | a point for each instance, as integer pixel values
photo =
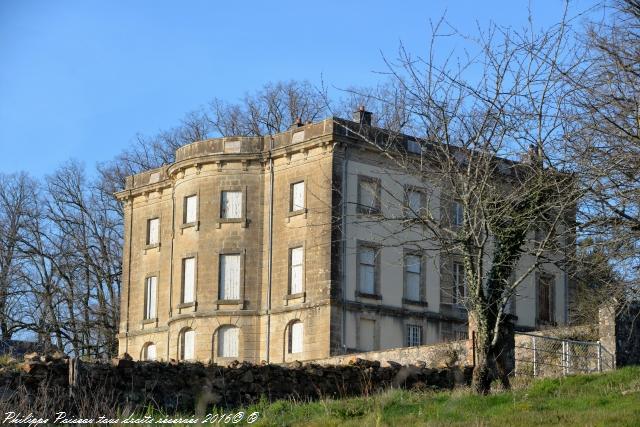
(231, 204)
(459, 285)
(367, 269)
(228, 338)
(296, 270)
(153, 231)
(368, 195)
(457, 213)
(413, 276)
(414, 203)
(295, 337)
(414, 147)
(188, 280)
(414, 335)
(150, 297)
(188, 344)
(297, 197)
(190, 209)
(229, 286)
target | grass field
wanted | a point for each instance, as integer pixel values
(609, 399)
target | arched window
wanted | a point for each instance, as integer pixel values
(228, 337)
(149, 351)
(187, 344)
(295, 337)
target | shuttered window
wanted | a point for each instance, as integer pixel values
(413, 275)
(231, 204)
(414, 335)
(190, 208)
(150, 352)
(458, 283)
(188, 344)
(545, 298)
(153, 231)
(367, 269)
(228, 341)
(295, 337)
(367, 332)
(297, 196)
(296, 270)
(414, 202)
(229, 286)
(150, 297)
(189, 280)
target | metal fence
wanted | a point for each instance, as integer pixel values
(542, 356)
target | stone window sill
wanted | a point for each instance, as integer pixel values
(298, 212)
(189, 225)
(295, 296)
(370, 296)
(242, 221)
(228, 301)
(148, 321)
(414, 302)
(152, 246)
(187, 304)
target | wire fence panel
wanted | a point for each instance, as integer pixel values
(542, 356)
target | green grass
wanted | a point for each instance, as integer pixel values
(609, 399)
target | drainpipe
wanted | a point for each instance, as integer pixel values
(270, 261)
(173, 238)
(345, 160)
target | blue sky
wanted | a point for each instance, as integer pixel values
(79, 79)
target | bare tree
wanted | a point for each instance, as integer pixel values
(490, 129)
(17, 202)
(605, 142)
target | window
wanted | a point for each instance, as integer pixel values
(150, 297)
(149, 351)
(458, 283)
(153, 231)
(367, 334)
(368, 195)
(414, 147)
(229, 286)
(231, 204)
(457, 213)
(228, 341)
(414, 335)
(545, 299)
(188, 344)
(413, 276)
(295, 337)
(297, 197)
(367, 269)
(414, 203)
(296, 270)
(188, 280)
(190, 209)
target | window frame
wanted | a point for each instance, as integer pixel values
(148, 243)
(184, 303)
(185, 212)
(220, 343)
(222, 216)
(369, 210)
(377, 249)
(422, 278)
(221, 284)
(292, 185)
(410, 338)
(147, 315)
(183, 341)
(290, 346)
(457, 213)
(291, 290)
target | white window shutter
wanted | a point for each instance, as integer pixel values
(413, 277)
(189, 280)
(298, 196)
(191, 206)
(151, 352)
(297, 261)
(296, 337)
(228, 337)
(151, 295)
(154, 231)
(230, 277)
(368, 194)
(189, 344)
(231, 204)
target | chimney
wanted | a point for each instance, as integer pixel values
(298, 123)
(362, 116)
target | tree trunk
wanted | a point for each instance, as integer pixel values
(483, 372)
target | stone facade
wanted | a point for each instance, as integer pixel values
(276, 280)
